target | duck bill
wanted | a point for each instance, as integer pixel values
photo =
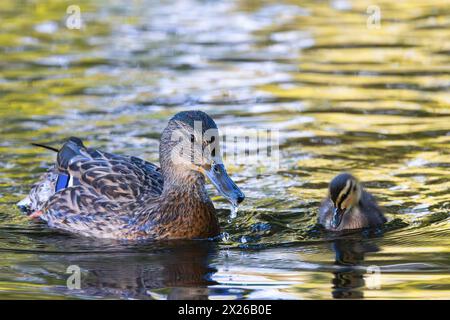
(223, 183)
(338, 214)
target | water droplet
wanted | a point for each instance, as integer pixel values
(225, 237)
(233, 213)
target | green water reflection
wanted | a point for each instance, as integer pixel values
(344, 95)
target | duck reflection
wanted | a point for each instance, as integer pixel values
(175, 270)
(348, 281)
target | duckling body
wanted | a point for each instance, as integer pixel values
(105, 195)
(349, 206)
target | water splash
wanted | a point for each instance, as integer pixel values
(225, 237)
(233, 212)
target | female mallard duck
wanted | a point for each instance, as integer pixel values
(94, 193)
(349, 206)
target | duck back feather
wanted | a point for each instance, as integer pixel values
(102, 194)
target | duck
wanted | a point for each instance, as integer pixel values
(97, 194)
(348, 206)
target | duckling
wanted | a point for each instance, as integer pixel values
(104, 195)
(349, 206)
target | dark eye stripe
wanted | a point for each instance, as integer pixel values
(346, 194)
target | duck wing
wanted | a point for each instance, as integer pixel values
(118, 177)
(97, 193)
(371, 209)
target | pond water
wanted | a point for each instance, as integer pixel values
(344, 94)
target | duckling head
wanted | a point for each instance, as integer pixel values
(345, 193)
(190, 149)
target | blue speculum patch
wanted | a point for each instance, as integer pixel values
(62, 182)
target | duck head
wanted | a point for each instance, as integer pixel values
(190, 149)
(345, 193)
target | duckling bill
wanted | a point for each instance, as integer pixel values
(349, 206)
(94, 193)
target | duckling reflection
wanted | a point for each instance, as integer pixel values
(348, 281)
(175, 271)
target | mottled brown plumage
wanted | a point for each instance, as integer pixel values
(123, 197)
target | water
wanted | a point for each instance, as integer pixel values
(233, 213)
(344, 97)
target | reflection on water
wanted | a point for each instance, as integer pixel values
(343, 96)
(349, 281)
(182, 268)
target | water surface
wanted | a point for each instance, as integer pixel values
(344, 97)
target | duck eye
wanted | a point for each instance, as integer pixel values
(213, 138)
(192, 138)
(216, 169)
